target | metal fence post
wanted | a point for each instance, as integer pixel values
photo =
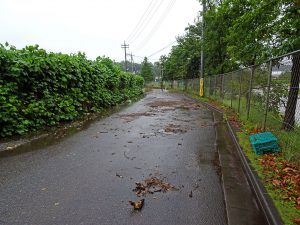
(267, 97)
(240, 93)
(193, 86)
(215, 87)
(250, 92)
(209, 86)
(231, 87)
(222, 87)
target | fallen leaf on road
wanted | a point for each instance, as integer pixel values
(138, 205)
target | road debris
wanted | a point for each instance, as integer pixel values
(171, 105)
(132, 116)
(138, 205)
(152, 185)
(118, 175)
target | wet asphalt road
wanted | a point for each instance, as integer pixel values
(88, 177)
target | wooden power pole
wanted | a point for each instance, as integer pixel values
(131, 62)
(125, 46)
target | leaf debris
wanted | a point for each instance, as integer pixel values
(151, 185)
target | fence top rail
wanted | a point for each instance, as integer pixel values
(285, 55)
(253, 66)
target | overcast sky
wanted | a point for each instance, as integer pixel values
(96, 27)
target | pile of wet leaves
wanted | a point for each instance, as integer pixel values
(152, 185)
(283, 175)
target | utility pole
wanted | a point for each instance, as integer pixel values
(202, 47)
(125, 46)
(161, 72)
(161, 77)
(131, 62)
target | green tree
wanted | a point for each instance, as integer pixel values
(288, 27)
(218, 20)
(146, 71)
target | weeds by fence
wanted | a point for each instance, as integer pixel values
(265, 96)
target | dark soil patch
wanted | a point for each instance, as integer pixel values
(172, 128)
(132, 116)
(169, 105)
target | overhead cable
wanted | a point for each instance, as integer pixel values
(157, 25)
(145, 22)
(161, 49)
(140, 20)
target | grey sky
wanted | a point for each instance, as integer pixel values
(96, 27)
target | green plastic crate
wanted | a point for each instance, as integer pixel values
(264, 143)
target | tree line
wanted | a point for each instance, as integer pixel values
(237, 33)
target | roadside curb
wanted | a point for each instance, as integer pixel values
(263, 199)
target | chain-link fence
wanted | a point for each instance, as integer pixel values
(266, 95)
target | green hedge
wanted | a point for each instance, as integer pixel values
(39, 89)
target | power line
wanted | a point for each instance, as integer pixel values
(161, 49)
(145, 24)
(138, 56)
(145, 14)
(140, 20)
(157, 25)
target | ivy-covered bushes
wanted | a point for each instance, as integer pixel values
(39, 89)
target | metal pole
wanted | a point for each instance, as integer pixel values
(215, 87)
(231, 87)
(202, 33)
(250, 92)
(240, 93)
(201, 82)
(222, 87)
(267, 97)
(209, 86)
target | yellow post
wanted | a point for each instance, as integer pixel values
(201, 87)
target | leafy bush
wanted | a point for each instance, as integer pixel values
(40, 89)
